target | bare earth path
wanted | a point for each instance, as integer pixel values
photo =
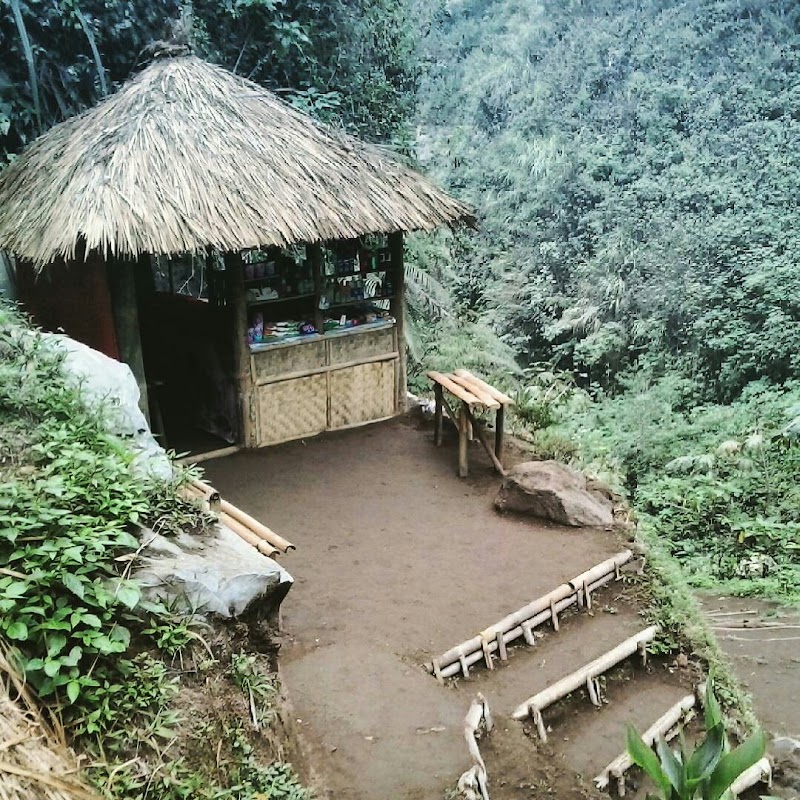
(398, 560)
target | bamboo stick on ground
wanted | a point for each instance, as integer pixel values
(534, 705)
(265, 548)
(674, 717)
(261, 530)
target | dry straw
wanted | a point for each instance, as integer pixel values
(35, 763)
(187, 155)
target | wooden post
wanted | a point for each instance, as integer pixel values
(398, 306)
(234, 279)
(122, 282)
(438, 418)
(463, 441)
(499, 435)
(314, 254)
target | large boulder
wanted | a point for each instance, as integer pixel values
(108, 388)
(552, 491)
(214, 572)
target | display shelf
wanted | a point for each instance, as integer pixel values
(356, 274)
(362, 300)
(288, 341)
(256, 303)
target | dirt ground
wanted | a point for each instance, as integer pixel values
(398, 560)
(766, 658)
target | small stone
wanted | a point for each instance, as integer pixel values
(682, 660)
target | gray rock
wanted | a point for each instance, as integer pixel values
(553, 491)
(212, 573)
(108, 387)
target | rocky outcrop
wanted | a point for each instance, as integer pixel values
(211, 573)
(552, 491)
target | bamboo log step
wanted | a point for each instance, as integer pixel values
(522, 622)
(760, 771)
(666, 726)
(585, 676)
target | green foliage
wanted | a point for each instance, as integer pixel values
(706, 772)
(81, 632)
(604, 145)
(348, 63)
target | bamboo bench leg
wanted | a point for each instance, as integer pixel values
(463, 440)
(499, 424)
(438, 392)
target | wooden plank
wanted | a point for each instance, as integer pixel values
(504, 399)
(481, 434)
(458, 391)
(499, 432)
(482, 395)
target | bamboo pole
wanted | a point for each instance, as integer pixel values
(669, 721)
(483, 396)
(454, 388)
(477, 714)
(438, 418)
(463, 441)
(265, 548)
(534, 705)
(398, 307)
(261, 530)
(760, 771)
(521, 622)
(501, 398)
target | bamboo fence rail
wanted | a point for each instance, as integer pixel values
(667, 725)
(585, 676)
(497, 637)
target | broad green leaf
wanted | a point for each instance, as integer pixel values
(712, 711)
(55, 644)
(672, 767)
(18, 631)
(74, 584)
(129, 594)
(645, 758)
(733, 764)
(73, 690)
(706, 756)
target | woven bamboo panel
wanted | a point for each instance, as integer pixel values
(362, 393)
(286, 360)
(292, 409)
(344, 349)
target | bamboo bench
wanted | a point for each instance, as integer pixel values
(473, 394)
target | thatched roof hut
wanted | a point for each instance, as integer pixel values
(187, 155)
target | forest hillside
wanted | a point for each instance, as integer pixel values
(635, 167)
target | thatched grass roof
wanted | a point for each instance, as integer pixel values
(35, 763)
(187, 155)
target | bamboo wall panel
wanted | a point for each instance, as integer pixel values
(346, 349)
(292, 409)
(285, 360)
(362, 393)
